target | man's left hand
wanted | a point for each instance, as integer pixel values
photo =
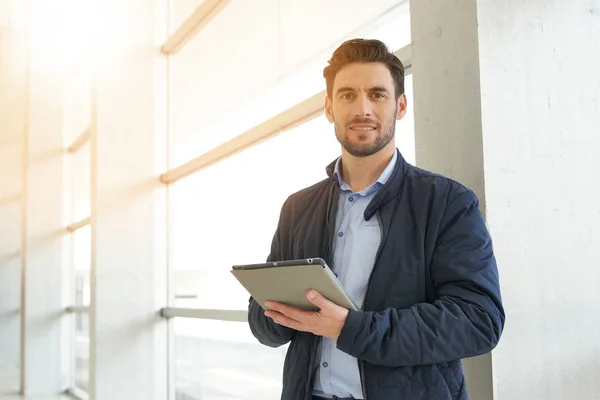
(328, 321)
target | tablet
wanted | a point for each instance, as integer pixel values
(288, 281)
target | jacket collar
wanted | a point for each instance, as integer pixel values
(387, 192)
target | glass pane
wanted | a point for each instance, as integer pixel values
(227, 213)
(81, 167)
(288, 70)
(213, 78)
(218, 360)
(82, 351)
(181, 10)
(81, 265)
(332, 22)
(78, 106)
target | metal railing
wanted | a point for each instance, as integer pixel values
(79, 224)
(192, 25)
(220, 315)
(82, 139)
(78, 309)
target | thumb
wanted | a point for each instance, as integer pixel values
(320, 301)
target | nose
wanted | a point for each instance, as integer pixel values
(362, 107)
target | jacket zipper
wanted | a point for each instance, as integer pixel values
(329, 261)
(361, 365)
(362, 379)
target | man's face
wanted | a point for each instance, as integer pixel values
(363, 108)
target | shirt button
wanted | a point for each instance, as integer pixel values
(335, 397)
(325, 364)
(340, 234)
(351, 199)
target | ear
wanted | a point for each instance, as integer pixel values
(401, 106)
(328, 111)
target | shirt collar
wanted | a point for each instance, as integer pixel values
(383, 178)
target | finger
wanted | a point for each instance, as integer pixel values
(272, 314)
(320, 301)
(327, 308)
(288, 311)
(281, 319)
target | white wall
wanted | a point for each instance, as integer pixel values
(12, 118)
(541, 121)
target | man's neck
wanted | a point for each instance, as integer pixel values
(361, 172)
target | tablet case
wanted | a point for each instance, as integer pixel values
(288, 281)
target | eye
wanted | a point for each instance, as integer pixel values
(378, 96)
(346, 96)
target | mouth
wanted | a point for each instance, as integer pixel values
(362, 128)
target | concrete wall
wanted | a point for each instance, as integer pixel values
(448, 130)
(506, 101)
(540, 88)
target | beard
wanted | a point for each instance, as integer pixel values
(360, 147)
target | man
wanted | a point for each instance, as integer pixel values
(409, 246)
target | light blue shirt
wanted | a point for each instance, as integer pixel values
(355, 246)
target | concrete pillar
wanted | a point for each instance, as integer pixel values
(12, 133)
(129, 214)
(507, 101)
(540, 86)
(447, 114)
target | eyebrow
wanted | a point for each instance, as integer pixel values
(378, 89)
(372, 89)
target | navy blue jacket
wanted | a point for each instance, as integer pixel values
(433, 297)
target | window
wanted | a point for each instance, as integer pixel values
(81, 184)
(78, 208)
(181, 10)
(220, 88)
(227, 213)
(81, 260)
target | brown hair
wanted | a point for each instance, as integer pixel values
(364, 50)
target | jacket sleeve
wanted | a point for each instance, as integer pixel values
(465, 320)
(263, 328)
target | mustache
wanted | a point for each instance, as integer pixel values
(363, 121)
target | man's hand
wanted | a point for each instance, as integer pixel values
(327, 322)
